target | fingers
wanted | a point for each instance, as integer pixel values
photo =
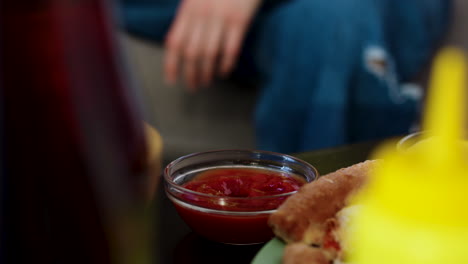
(210, 51)
(192, 56)
(206, 34)
(171, 62)
(174, 45)
(232, 45)
(194, 44)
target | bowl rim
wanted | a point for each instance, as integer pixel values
(400, 145)
(168, 179)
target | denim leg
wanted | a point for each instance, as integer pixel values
(317, 88)
(307, 52)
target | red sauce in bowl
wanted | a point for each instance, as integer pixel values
(237, 190)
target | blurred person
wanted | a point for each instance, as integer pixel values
(331, 72)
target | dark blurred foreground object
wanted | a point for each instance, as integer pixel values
(73, 143)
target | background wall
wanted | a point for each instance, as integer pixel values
(219, 117)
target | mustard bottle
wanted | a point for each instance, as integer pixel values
(415, 207)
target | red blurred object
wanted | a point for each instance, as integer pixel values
(73, 138)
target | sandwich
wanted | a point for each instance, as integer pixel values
(312, 221)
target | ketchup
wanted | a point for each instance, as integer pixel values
(236, 190)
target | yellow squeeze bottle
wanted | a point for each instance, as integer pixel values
(415, 207)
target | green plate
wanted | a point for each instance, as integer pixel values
(271, 253)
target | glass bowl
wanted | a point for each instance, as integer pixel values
(412, 141)
(237, 218)
(409, 140)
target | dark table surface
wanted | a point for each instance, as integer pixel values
(175, 243)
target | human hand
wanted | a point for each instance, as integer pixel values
(206, 34)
